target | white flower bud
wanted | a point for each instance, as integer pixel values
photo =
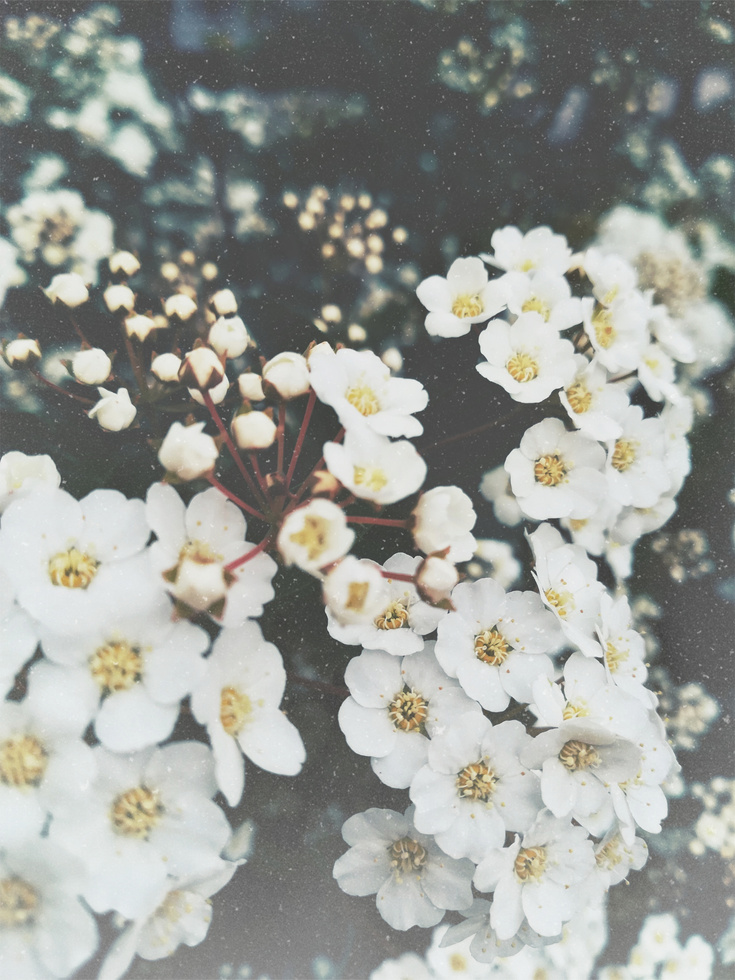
(224, 302)
(251, 387)
(114, 411)
(91, 366)
(201, 368)
(436, 578)
(166, 367)
(179, 305)
(22, 353)
(443, 519)
(124, 262)
(393, 358)
(119, 297)
(314, 536)
(187, 451)
(288, 373)
(254, 430)
(229, 336)
(138, 325)
(199, 581)
(67, 288)
(217, 394)
(355, 591)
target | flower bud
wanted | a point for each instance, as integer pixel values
(187, 451)
(201, 368)
(91, 366)
(124, 262)
(119, 297)
(288, 373)
(436, 578)
(224, 302)
(229, 336)
(67, 288)
(251, 387)
(444, 518)
(114, 411)
(22, 353)
(179, 305)
(199, 580)
(254, 430)
(217, 394)
(138, 325)
(355, 591)
(166, 367)
(314, 536)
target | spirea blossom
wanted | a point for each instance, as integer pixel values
(455, 303)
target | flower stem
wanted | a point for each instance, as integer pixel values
(302, 435)
(228, 440)
(320, 462)
(398, 576)
(69, 394)
(256, 469)
(249, 555)
(387, 522)
(281, 434)
(235, 499)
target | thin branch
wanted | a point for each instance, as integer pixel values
(235, 499)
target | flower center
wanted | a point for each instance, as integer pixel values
(136, 812)
(491, 647)
(458, 963)
(313, 536)
(562, 602)
(574, 710)
(576, 755)
(407, 855)
(522, 367)
(370, 477)
(476, 782)
(549, 470)
(530, 863)
(395, 616)
(200, 553)
(615, 658)
(116, 666)
(535, 305)
(18, 903)
(579, 397)
(604, 330)
(23, 761)
(609, 855)
(364, 399)
(72, 569)
(235, 710)
(577, 523)
(356, 595)
(623, 455)
(677, 283)
(408, 711)
(464, 306)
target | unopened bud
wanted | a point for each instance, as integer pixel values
(67, 288)
(251, 387)
(119, 297)
(229, 336)
(166, 367)
(138, 325)
(217, 394)
(114, 411)
(288, 373)
(254, 430)
(436, 578)
(91, 366)
(187, 451)
(224, 302)
(201, 368)
(180, 306)
(124, 262)
(22, 353)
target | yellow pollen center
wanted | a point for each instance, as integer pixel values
(406, 855)
(394, 617)
(476, 782)
(136, 812)
(458, 963)
(464, 306)
(576, 755)
(313, 536)
(116, 666)
(535, 305)
(549, 470)
(364, 399)
(235, 709)
(577, 523)
(200, 553)
(72, 569)
(370, 477)
(579, 398)
(356, 595)
(623, 455)
(604, 330)
(18, 903)
(609, 855)
(408, 711)
(491, 647)
(23, 761)
(615, 658)
(522, 367)
(572, 710)
(562, 602)
(530, 863)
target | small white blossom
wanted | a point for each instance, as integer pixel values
(355, 591)
(254, 430)
(217, 394)
(636, 472)
(124, 262)
(315, 535)
(67, 288)
(91, 366)
(188, 451)
(140, 326)
(539, 250)
(166, 367)
(251, 387)
(180, 306)
(373, 468)
(21, 474)
(444, 518)
(543, 293)
(455, 303)
(201, 368)
(114, 411)
(288, 374)
(229, 336)
(436, 578)
(21, 353)
(119, 297)
(224, 302)
(592, 403)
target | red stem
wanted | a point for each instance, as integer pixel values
(387, 522)
(256, 467)
(398, 576)
(231, 496)
(62, 391)
(228, 440)
(281, 434)
(231, 566)
(338, 438)
(78, 331)
(302, 435)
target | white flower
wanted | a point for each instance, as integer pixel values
(594, 405)
(21, 474)
(140, 326)
(500, 560)
(556, 473)
(67, 288)
(288, 374)
(543, 293)
(624, 649)
(180, 306)
(593, 532)
(194, 547)
(114, 411)
(444, 518)
(314, 536)
(374, 468)
(619, 333)
(359, 387)
(21, 353)
(119, 297)
(526, 359)
(188, 451)
(18, 635)
(201, 368)
(46, 931)
(636, 472)
(539, 250)
(229, 336)
(415, 882)
(495, 487)
(91, 366)
(611, 276)
(657, 374)
(436, 578)
(254, 430)
(217, 394)
(355, 591)
(455, 303)
(238, 703)
(124, 262)
(251, 386)
(166, 367)
(224, 302)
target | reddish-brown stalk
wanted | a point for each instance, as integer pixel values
(228, 441)
(235, 499)
(302, 435)
(231, 566)
(62, 391)
(387, 522)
